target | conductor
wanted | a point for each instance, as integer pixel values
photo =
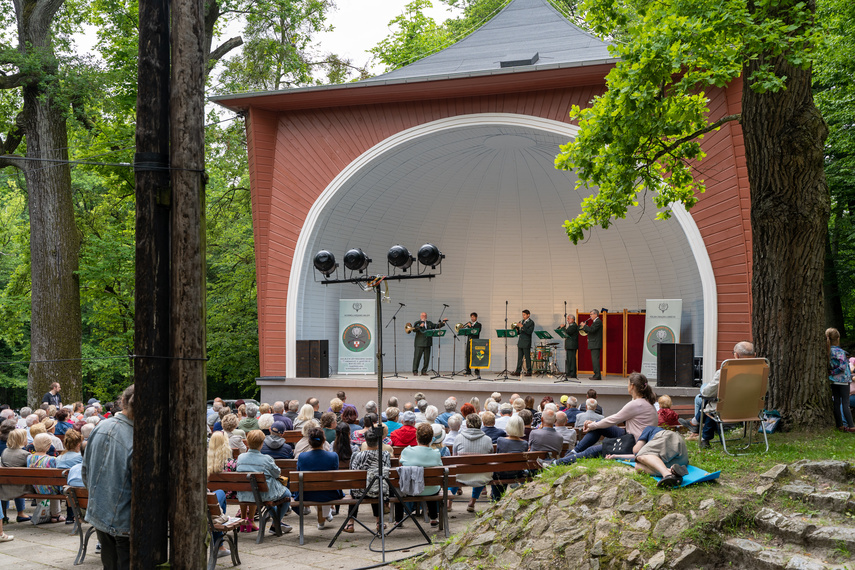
(423, 343)
(526, 328)
(571, 345)
(476, 333)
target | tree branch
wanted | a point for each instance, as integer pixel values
(13, 81)
(7, 160)
(15, 136)
(687, 138)
(224, 48)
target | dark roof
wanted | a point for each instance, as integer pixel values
(523, 31)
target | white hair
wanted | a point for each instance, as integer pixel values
(431, 413)
(93, 420)
(86, 430)
(591, 405)
(550, 406)
(251, 410)
(493, 406)
(32, 419)
(90, 411)
(265, 421)
(454, 422)
(450, 404)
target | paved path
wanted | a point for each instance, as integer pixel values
(52, 545)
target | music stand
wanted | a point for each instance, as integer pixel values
(563, 376)
(437, 333)
(506, 334)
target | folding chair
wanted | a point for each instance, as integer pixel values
(743, 383)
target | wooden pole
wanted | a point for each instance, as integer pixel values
(150, 499)
(187, 443)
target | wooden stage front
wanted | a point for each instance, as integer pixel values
(611, 391)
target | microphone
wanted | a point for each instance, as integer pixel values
(444, 305)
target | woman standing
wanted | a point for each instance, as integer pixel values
(840, 377)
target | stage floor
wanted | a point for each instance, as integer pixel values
(611, 390)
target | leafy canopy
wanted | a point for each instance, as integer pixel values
(644, 133)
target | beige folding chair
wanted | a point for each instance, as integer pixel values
(743, 383)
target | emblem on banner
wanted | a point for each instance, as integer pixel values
(356, 337)
(658, 335)
(663, 307)
(358, 307)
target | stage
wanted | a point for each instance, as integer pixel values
(611, 391)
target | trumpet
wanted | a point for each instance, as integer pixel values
(588, 323)
(410, 328)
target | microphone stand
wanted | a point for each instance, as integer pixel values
(394, 324)
(503, 375)
(454, 352)
(439, 348)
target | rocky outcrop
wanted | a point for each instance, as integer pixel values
(799, 517)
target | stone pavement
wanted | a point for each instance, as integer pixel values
(52, 545)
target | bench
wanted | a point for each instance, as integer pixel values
(34, 476)
(496, 463)
(256, 484)
(233, 527)
(78, 500)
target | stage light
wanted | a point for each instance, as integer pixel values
(356, 260)
(429, 254)
(399, 256)
(325, 262)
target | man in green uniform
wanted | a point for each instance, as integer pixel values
(476, 333)
(526, 329)
(595, 342)
(423, 343)
(571, 344)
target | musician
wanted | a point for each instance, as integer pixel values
(423, 343)
(526, 329)
(571, 345)
(595, 341)
(476, 333)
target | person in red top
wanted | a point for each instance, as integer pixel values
(406, 434)
(667, 416)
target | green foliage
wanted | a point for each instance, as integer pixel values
(643, 134)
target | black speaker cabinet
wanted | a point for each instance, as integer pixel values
(313, 359)
(675, 365)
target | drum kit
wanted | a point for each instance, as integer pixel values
(543, 359)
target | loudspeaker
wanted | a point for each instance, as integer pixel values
(675, 365)
(313, 359)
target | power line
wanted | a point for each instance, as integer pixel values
(95, 358)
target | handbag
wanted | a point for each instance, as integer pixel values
(42, 513)
(619, 445)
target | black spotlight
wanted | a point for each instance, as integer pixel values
(399, 256)
(325, 262)
(429, 254)
(356, 260)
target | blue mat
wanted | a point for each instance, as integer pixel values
(695, 475)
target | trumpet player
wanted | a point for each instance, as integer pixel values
(423, 343)
(595, 341)
(526, 329)
(476, 333)
(571, 344)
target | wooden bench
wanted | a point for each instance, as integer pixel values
(256, 484)
(78, 500)
(496, 463)
(233, 527)
(34, 476)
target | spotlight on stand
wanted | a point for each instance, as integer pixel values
(430, 255)
(356, 260)
(324, 262)
(399, 256)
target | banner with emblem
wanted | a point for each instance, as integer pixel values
(479, 353)
(356, 340)
(661, 324)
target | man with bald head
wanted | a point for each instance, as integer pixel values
(546, 438)
(422, 344)
(709, 392)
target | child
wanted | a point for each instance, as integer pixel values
(660, 452)
(667, 416)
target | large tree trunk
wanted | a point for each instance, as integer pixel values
(54, 241)
(831, 289)
(784, 136)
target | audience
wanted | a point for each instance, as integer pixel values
(567, 434)
(391, 420)
(546, 438)
(252, 461)
(473, 441)
(454, 424)
(489, 426)
(422, 455)
(590, 415)
(406, 434)
(274, 444)
(318, 459)
(328, 424)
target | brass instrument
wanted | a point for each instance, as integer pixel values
(410, 328)
(516, 325)
(588, 323)
(459, 326)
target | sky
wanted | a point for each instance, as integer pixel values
(362, 24)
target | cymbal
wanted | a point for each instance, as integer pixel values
(552, 344)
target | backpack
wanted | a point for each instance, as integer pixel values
(838, 367)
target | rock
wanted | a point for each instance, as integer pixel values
(707, 504)
(743, 546)
(788, 528)
(830, 469)
(496, 549)
(834, 536)
(597, 549)
(574, 554)
(799, 562)
(430, 563)
(589, 497)
(671, 525)
(763, 489)
(642, 523)
(459, 566)
(690, 556)
(483, 538)
(657, 561)
(564, 505)
(561, 480)
(604, 529)
(636, 507)
(508, 559)
(594, 564)
(633, 556)
(797, 490)
(629, 539)
(835, 501)
(665, 501)
(776, 472)
(451, 550)
(609, 499)
(530, 492)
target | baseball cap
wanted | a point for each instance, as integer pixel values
(408, 416)
(93, 401)
(564, 399)
(278, 427)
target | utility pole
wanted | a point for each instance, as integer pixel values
(188, 388)
(150, 499)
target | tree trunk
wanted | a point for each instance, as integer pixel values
(54, 240)
(831, 289)
(784, 136)
(188, 388)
